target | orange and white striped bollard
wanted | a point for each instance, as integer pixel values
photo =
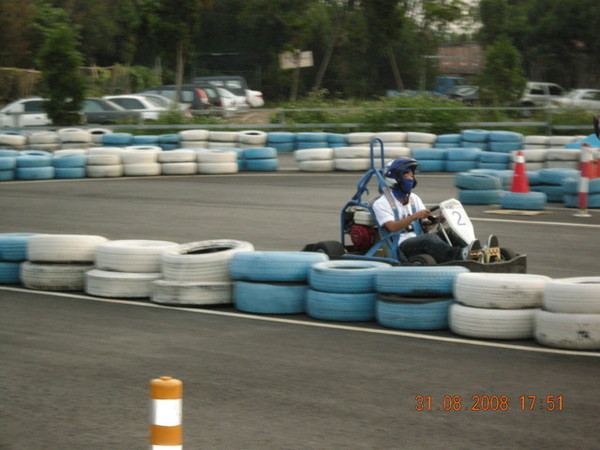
(587, 167)
(166, 414)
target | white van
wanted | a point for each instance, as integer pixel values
(539, 94)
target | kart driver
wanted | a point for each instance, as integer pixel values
(413, 217)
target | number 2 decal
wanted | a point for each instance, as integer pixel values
(459, 218)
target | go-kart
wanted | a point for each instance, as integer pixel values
(371, 241)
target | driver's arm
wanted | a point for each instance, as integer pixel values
(397, 225)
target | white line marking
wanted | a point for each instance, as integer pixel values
(564, 224)
(313, 324)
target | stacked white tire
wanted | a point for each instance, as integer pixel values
(198, 273)
(252, 138)
(104, 162)
(213, 161)
(219, 139)
(315, 159)
(496, 305)
(141, 160)
(43, 140)
(570, 318)
(126, 268)
(178, 162)
(194, 138)
(59, 262)
(74, 138)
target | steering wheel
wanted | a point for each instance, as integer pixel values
(432, 219)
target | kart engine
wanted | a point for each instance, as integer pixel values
(362, 236)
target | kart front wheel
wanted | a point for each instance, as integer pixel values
(422, 260)
(333, 249)
(506, 254)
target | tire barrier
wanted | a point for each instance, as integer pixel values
(495, 148)
(272, 282)
(496, 306)
(415, 298)
(478, 188)
(13, 253)
(560, 313)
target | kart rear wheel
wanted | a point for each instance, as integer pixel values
(333, 249)
(506, 254)
(422, 260)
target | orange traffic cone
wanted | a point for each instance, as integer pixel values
(520, 183)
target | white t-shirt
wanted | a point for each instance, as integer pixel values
(384, 212)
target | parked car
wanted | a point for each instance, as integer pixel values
(166, 102)
(197, 98)
(26, 112)
(580, 98)
(466, 94)
(148, 109)
(104, 112)
(237, 85)
(539, 94)
(230, 103)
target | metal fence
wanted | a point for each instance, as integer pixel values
(277, 120)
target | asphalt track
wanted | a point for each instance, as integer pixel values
(75, 369)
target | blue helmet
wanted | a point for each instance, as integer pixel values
(394, 176)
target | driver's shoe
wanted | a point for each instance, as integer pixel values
(491, 252)
(473, 252)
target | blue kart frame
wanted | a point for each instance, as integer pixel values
(386, 249)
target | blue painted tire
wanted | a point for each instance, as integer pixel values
(480, 197)
(337, 138)
(571, 185)
(475, 135)
(31, 158)
(260, 153)
(69, 172)
(493, 166)
(13, 246)
(479, 181)
(423, 281)
(8, 152)
(281, 137)
(494, 157)
(410, 316)
(270, 298)
(311, 137)
(283, 147)
(7, 175)
(300, 145)
(429, 153)
(464, 154)
(505, 147)
(262, 165)
(451, 138)
(336, 306)
(274, 266)
(432, 165)
(572, 201)
(557, 176)
(10, 272)
(506, 136)
(535, 201)
(172, 138)
(69, 161)
(461, 166)
(345, 275)
(8, 162)
(554, 193)
(144, 140)
(117, 139)
(35, 173)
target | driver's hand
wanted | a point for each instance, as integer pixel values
(423, 214)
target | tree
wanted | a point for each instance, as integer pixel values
(501, 81)
(64, 86)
